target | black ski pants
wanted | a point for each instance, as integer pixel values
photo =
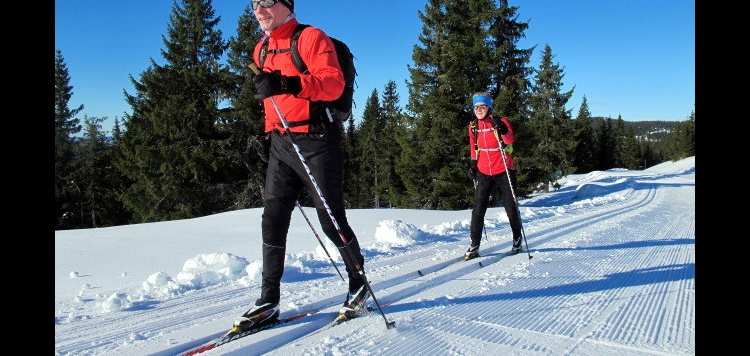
(484, 184)
(286, 177)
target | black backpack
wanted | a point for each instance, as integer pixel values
(338, 110)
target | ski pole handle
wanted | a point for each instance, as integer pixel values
(254, 67)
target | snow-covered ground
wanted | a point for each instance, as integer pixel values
(610, 270)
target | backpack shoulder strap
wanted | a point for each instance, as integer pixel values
(296, 58)
(475, 131)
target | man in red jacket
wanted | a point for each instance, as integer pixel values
(490, 140)
(319, 142)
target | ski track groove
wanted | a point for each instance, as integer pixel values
(578, 331)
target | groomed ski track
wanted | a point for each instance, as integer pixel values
(598, 307)
(579, 316)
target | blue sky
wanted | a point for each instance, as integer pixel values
(634, 58)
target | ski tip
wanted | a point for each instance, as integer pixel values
(420, 273)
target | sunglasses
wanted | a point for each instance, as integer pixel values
(264, 3)
(477, 107)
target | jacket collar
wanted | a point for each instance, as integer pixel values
(285, 30)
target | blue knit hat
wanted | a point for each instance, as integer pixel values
(482, 97)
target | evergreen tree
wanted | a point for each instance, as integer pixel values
(649, 154)
(606, 140)
(584, 152)
(627, 152)
(393, 120)
(67, 196)
(682, 142)
(170, 144)
(550, 157)
(369, 151)
(243, 121)
(510, 70)
(619, 137)
(349, 142)
(510, 84)
(96, 178)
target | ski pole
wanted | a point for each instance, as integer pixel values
(513, 193)
(319, 240)
(360, 270)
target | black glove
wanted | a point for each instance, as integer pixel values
(264, 147)
(473, 170)
(273, 83)
(499, 125)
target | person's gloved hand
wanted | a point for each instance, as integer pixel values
(499, 125)
(273, 83)
(508, 148)
(264, 147)
(473, 170)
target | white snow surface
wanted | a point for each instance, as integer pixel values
(609, 270)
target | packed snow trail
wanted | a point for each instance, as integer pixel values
(613, 272)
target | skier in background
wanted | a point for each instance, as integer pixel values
(488, 135)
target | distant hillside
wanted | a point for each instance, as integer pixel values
(650, 130)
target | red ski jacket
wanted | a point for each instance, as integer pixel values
(325, 81)
(485, 147)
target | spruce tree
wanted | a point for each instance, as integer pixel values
(171, 139)
(682, 141)
(349, 143)
(584, 139)
(97, 179)
(67, 196)
(510, 84)
(369, 154)
(605, 139)
(242, 121)
(627, 152)
(390, 183)
(551, 125)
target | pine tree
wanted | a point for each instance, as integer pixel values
(96, 178)
(67, 196)
(627, 152)
(682, 142)
(369, 154)
(391, 185)
(170, 144)
(243, 121)
(510, 84)
(584, 153)
(605, 138)
(349, 143)
(551, 125)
